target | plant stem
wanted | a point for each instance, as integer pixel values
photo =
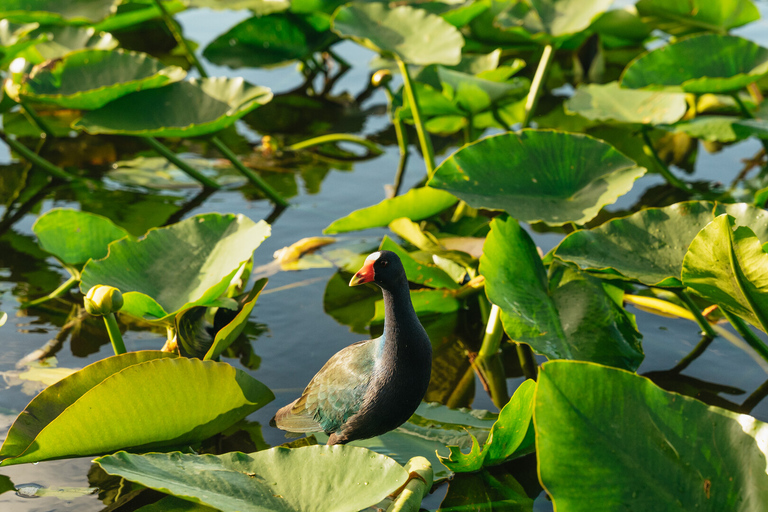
(58, 292)
(706, 327)
(671, 178)
(745, 111)
(424, 139)
(749, 336)
(755, 398)
(527, 361)
(488, 360)
(699, 349)
(416, 488)
(336, 137)
(42, 163)
(536, 86)
(188, 53)
(36, 120)
(252, 176)
(114, 334)
(181, 164)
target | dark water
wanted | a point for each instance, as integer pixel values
(296, 335)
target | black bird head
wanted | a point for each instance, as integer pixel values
(383, 268)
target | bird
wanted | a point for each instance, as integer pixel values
(373, 386)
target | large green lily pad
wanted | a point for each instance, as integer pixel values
(613, 434)
(569, 315)
(556, 18)
(416, 204)
(142, 400)
(307, 479)
(411, 34)
(649, 246)
(186, 264)
(719, 16)
(609, 102)
(218, 102)
(726, 265)
(270, 40)
(538, 175)
(704, 63)
(61, 40)
(57, 12)
(75, 236)
(88, 79)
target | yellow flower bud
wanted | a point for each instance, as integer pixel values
(102, 300)
(381, 77)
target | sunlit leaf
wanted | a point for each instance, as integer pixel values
(155, 407)
(416, 204)
(61, 40)
(712, 63)
(719, 16)
(569, 315)
(218, 102)
(609, 102)
(554, 17)
(511, 436)
(75, 236)
(187, 264)
(339, 478)
(613, 434)
(57, 12)
(259, 7)
(496, 491)
(649, 246)
(533, 175)
(229, 333)
(88, 79)
(413, 35)
(426, 274)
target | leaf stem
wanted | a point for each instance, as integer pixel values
(252, 176)
(29, 155)
(488, 359)
(181, 164)
(177, 35)
(36, 120)
(114, 334)
(749, 336)
(699, 349)
(58, 292)
(537, 84)
(336, 137)
(706, 327)
(663, 169)
(755, 398)
(424, 140)
(527, 361)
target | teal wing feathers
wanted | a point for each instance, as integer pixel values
(334, 394)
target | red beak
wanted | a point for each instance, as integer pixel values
(364, 275)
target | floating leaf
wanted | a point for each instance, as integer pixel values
(511, 436)
(418, 272)
(649, 246)
(613, 434)
(496, 491)
(416, 204)
(719, 16)
(554, 17)
(258, 7)
(349, 305)
(727, 267)
(61, 40)
(425, 302)
(218, 102)
(75, 236)
(339, 478)
(609, 102)
(411, 34)
(229, 333)
(89, 79)
(568, 316)
(704, 63)
(710, 128)
(57, 12)
(533, 175)
(270, 40)
(187, 264)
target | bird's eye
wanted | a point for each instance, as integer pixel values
(383, 263)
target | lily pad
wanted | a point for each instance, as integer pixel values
(726, 265)
(88, 79)
(538, 175)
(613, 434)
(270, 40)
(61, 40)
(413, 35)
(187, 264)
(649, 246)
(609, 102)
(418, 272)
(57, 12)
(707, 63)
(339, 478)
(258, 7)
(416, 204)
(75, 236)
(218, 103)
(511, 436)
(155, 407)
(719, 16)
(568, 316)
(554, 17)
(711, 128)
